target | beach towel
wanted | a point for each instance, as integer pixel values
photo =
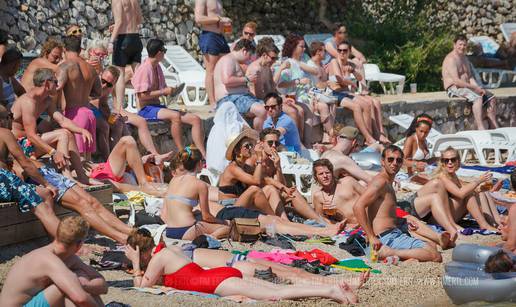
(468, 231)
(354, 265)
(500, 169)
(316, 255)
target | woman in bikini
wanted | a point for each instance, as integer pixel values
(241, 192)
(464, 197)
(366, 110)
(176, 270)
(185, 192)
(415, 148)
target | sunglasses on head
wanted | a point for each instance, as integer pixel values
(274, 106)
(75, 32)
(343, 50)
(249, 33)
(448, 160)
(392, 159)
(273, 143)
(107, 83)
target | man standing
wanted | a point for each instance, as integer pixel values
(458, 81)
(280, 121)
(125, 43)
(208, 14)
(53, 275)
(27, 110)
(375, 211)
(51, 54)
(79, 81)
(231, 83)
(149, 84)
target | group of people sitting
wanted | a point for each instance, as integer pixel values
(68, 106)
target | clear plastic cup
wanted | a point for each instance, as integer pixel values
(413, 88)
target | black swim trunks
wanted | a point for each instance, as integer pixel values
(127, 49)
(230, 212)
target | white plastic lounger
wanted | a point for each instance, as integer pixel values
(298, 171)
(489, 141)
(321, 37)
(373, 74)
(404, 121)
(507, 29)
(509, 132)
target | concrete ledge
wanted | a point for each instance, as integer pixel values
(450, 115)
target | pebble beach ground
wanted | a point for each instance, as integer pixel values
(408, 284)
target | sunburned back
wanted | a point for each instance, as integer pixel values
(182, 196)
(227, 64)
(131, 16)
(26, 278)
(81, 77)
(383, 211)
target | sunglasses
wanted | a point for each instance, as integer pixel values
(107, 83)
(273, 143)
(448, 160)
(164, 50)
(247, 145)
(392, 159)
(342, 50)
(274, 58)
(75, 32)
(267, 108)
(249, 33)
(342, 32)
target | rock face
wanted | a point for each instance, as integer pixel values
(30, 22)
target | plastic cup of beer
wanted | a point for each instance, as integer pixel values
(112, 118)
(487, 186)
(329, 209)
(227, 28)
(413, 88)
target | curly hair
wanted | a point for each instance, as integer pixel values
(141, 238)
(290, 44)
(49, 45)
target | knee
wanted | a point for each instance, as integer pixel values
(127, 141)
(254, 189)
(196, 120)
(139, 122)
(269, 189)
(436, 256)
(259, 111)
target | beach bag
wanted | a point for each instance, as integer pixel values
(244, 230)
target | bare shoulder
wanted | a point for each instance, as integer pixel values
(377, 183)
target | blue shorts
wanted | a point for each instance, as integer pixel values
(96, 112)
(38, 301)
(342, 95)
(396, 239)
(13, 189)
(213, 43)
(61, 182)
(242, 102)
(150, 112)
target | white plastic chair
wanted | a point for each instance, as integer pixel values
(130, 98)
(373, 73)
(507, 29)
(211, 175)
(298, 171)
(179, 66)
(320, 37)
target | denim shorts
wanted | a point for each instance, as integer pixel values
(243, 102)
(342, 95)
(396, 239)
(213, 43)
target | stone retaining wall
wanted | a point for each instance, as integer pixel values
(450, 116)
(30, 22)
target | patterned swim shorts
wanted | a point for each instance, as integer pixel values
(13, 189)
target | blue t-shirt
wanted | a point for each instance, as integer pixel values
(291, 138)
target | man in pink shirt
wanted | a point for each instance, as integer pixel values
(149, 84)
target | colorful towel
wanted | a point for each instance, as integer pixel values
(355, 265)
(468, 231)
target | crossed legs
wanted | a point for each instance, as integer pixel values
(176, 120)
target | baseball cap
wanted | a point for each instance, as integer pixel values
(349, 132)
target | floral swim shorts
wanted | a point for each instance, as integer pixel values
(13, 189)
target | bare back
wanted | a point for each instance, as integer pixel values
(346, 194)
(80, 78)
(455, 66)
(128, 14)
(264, 83)
(26, 107)
(31, 274)
(178, 213)
(227, 66)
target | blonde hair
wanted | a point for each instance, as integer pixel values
(440, 169)
(72, 229)
(251, 24)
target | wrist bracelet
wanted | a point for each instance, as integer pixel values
(258, 162)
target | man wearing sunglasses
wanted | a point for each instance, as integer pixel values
(280, 121)
(53, 274)
(58, 143)
(149, 84)
(375, 211)
(51, 54)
